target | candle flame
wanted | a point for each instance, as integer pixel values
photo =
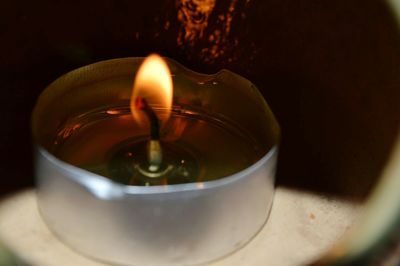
(153, 83)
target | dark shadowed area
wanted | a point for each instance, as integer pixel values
(330, 71)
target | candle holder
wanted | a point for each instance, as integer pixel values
(220, 148)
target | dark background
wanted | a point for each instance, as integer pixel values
(330, 71)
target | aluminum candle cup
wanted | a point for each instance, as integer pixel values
(80, 125)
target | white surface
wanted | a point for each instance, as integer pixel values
(301, 227)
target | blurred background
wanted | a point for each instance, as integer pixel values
(329, 70)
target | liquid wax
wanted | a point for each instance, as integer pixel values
(199, 146)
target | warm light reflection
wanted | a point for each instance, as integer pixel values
(153, 82)
(200, 185)
(206, 27)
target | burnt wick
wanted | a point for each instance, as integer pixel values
(154, 151)
(142, 105)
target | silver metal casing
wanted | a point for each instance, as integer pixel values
(184, 224)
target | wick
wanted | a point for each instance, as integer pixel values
(142, 105)
(154, 152)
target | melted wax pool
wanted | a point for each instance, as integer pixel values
(199, 147)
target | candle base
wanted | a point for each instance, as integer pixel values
(222, 119)
(128, 164)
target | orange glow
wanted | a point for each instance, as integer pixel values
(194, 16)
(198, 27)
(153, 82)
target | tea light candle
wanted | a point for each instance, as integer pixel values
(176, 171)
